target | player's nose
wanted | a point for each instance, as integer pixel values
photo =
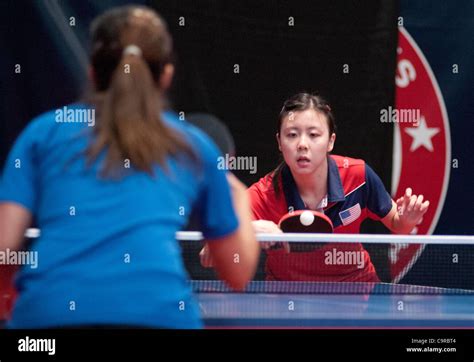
(302, 143)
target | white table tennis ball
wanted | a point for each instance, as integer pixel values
(306, 218)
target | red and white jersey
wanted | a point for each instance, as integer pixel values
(355, 192)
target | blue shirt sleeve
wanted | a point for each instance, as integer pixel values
(215, 211)
(18, 182)
(379, 201)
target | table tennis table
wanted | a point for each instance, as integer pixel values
(266, 304)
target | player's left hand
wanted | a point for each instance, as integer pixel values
(411, 208)
(205, 257)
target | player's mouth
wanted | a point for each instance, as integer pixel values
(303, 161)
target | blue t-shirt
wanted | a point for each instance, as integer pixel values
(107, 253)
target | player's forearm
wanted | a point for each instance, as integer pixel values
(14, 220)
(235, 259)
(249, 250)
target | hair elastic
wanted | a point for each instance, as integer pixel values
(132, 49)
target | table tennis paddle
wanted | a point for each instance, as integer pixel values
(305, 221)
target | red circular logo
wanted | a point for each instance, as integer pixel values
(422, 145)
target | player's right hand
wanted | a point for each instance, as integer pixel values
(268, 227)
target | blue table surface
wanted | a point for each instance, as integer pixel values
(325, 305)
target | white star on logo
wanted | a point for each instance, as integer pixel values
(422, 135)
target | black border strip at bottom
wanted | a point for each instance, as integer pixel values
(357, 344)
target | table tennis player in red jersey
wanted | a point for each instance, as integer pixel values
(346, 190)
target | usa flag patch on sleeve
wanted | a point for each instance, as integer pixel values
(351, 214)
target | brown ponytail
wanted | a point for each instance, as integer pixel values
(131, 47)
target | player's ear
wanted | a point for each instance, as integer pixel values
(332, 139)
(166, 76)
(278, 140)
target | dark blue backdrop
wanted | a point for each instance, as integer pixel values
(444, 32)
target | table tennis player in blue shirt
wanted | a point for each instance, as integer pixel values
(109, 183)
